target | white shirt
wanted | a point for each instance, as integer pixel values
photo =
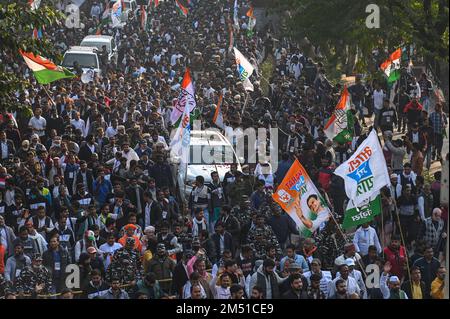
(324, 281)
(357, 275)
(365, 237)
(110, 132)
(296, 69)
(79, 125)
(131, 155)
(148, 207)
(38, 124)
(187, 291)
(4, 146)
(174, 58)
(157, 58)
(352, 286)
(378, 98)
(3, 239)
(384, 287)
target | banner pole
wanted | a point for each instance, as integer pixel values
(342, 232)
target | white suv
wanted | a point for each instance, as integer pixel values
(209, 151)
(98, 41)
(85, 56)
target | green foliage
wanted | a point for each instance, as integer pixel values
(17, 22)
(338, 26)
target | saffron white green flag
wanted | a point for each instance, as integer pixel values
(391, 67)
(365, 172)
(45, 71)
(340, 126)
(251, 21)
(218, 117)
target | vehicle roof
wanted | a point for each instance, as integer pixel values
(80, 49)
(204, 138)
(99, 38)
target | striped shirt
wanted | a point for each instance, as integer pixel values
(438, 122)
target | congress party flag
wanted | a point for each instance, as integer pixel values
(251, 21)
(116, 13)
(391, 67)
(44, 70)
(365, 172)
(186, 98)
(180, 144)
(245, 69)
(181, 9)
(218, 117)
(34, 4)
(340, 126)
(236, 15)
(364, 213)
(300, 199)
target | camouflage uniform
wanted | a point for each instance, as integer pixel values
(330, 246)
(235, 192)
(30, 277)
(259, 245)
(242, 215)
(126, 265)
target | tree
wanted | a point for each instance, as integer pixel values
(17, 22)
(339, 29)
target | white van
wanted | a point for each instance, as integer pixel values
(98, 41)
(209, 151)
(85, 56)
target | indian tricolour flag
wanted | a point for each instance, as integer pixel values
(218, 117)
(182, 9)
(391, 67)
(44, 70)
(186, 98)
(340, 125)
(251, 21)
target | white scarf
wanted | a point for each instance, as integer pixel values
(195, 226)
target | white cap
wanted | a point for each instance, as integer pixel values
(393, 279)
(350, 262)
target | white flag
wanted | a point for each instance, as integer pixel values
(365, 172)
(180, 144)
(245, 69)
(186, 98)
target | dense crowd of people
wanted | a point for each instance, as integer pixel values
(86, 176)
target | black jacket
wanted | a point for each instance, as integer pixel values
(49, 262)
(290, 294)
(231, 225)
(228, 243)
(89, 178)
(85, 152)
(131, 195)
(406, 287)
(179, 279)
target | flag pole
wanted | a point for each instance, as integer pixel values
(342, 232)
(403, 241)
(48, 94)
(245, 103)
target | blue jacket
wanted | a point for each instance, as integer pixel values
(299, 259)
